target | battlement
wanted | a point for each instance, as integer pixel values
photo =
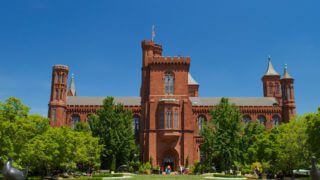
(60, 67)
(169, 60)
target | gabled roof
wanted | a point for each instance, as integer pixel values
(239, 101)
(191, 81)
(286, 75)
(98, 100)
(270, 69)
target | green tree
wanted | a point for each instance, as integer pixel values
(222, 135)
(113, 126)
(313, 132)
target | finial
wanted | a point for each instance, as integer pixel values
(285, 66)
(269, 57)
(72, 75)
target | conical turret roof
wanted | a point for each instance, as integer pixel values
(72, 87)
(286, 75)
(270, 69)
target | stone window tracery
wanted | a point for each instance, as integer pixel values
(262, 120)
(201, 120)
(275, 120)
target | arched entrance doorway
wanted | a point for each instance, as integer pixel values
(170, 158)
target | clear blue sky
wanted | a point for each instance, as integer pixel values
(100, 41)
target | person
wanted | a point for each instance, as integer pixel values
(187, 171)
(169, 169)
(161, 169)
(181, 168)
(166, 169)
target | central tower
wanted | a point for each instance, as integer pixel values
(165, 105)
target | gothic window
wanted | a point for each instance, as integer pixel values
(169, 121)
(75, 119)
(176, 119)
(62, 79)
(201, 120)
(56, 94)
(275, 120)
(285, 93)
(246, 120)
(270, 88)
(53, 115)
(135, 125)
(262, 120)
(169, 83)
(277, 89)
(61, 94)
(290, 97)
(161, 120)
(57, 78)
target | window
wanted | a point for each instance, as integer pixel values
(290, 93)
(161, 120)
(201, 120)
(56, 94)
(169, 83)
(277, 89)
(246, 120)
(270, 88)
(275, 120)
(285, 93)
(75, 119)
(262, 120)
(57, 78)
(54, 115)
(62, 79)
(61, 94)
(169, 121)
(135, 125)
(176, 119)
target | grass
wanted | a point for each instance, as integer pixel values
(161, 177)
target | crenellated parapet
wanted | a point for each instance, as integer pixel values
(169, 60)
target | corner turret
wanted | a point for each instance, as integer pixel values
(289, 106)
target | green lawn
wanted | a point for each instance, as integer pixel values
(155, 177)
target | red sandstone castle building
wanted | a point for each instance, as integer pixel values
(169, 112)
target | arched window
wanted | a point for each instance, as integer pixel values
(262, 120)
(161, 120)
(201, 120)
(57, 78)
(62, 79)
(61, 94)
(169, 120)
(277, 89)
(275, 120)
(246, 120)
(56, 94)
(169, 83)
(54, 115)
(285, 93)
(176, 119)
(270, 88)
(290, 93)
(135, 125)
(75, 119)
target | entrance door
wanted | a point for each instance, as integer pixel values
(168, 162)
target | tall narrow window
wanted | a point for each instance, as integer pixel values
(277, 89)
(275, 120)
(135, 125)
(75, 119)
(161, 120)
(57, 78)
(169, 121)
(56, 94)
(61, 94)
(176, 119)
(290, 97)
(62, 79)
(54, 115)
(270, 88)
(285, 93)
(201, 120)
(169, 83)
(246, 120)
(262, 120)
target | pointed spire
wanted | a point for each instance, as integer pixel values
(191, 81)
(72, 87)
(270, 70)
(286, 75)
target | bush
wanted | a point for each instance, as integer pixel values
(108, 175)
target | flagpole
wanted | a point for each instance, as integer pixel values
(152, 31)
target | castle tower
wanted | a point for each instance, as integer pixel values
(72, 87)
(57, 104)
(271, 83)
(289, 106)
